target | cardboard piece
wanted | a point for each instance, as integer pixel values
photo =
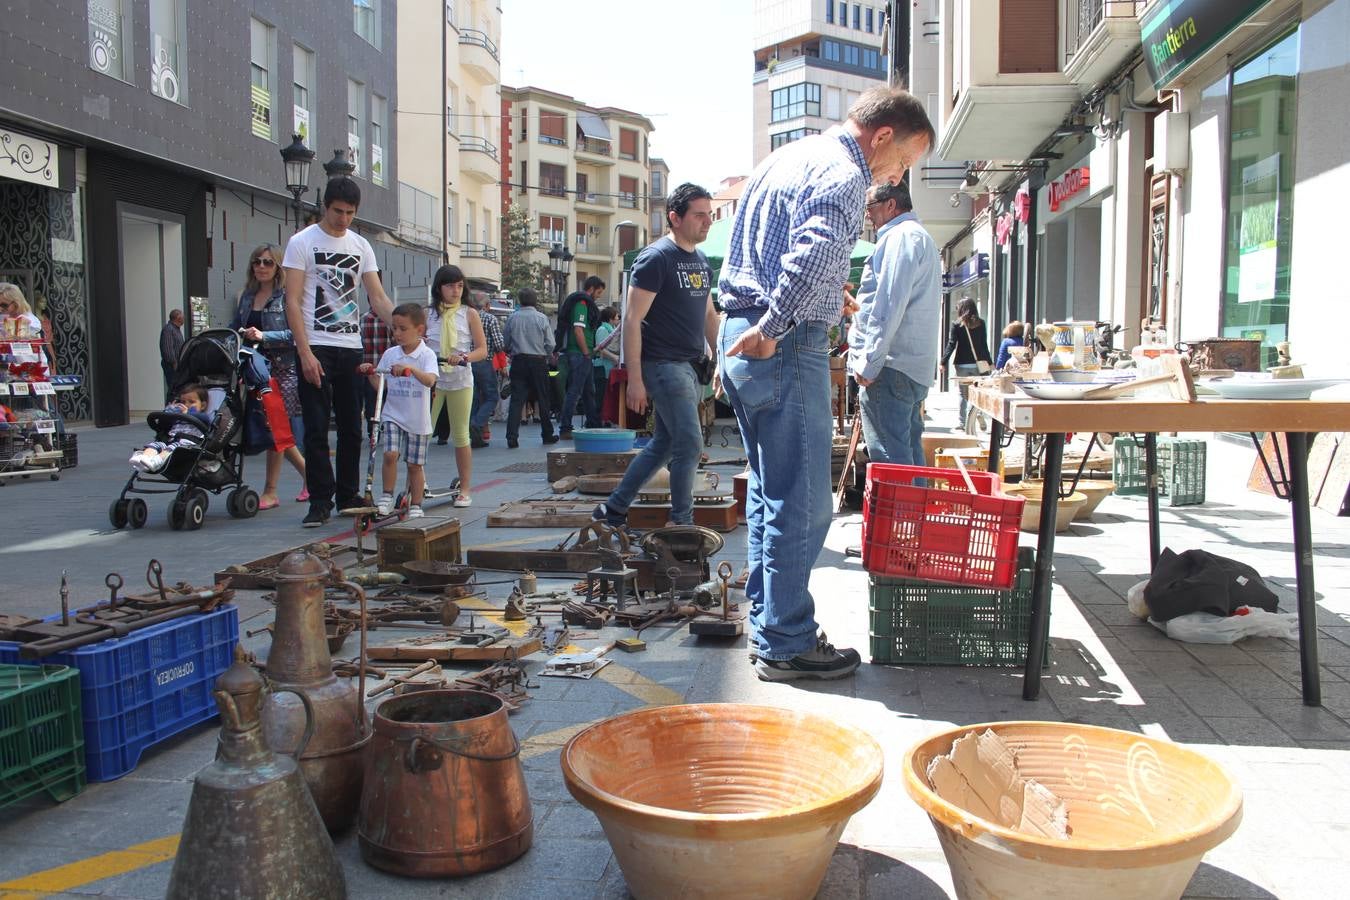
(979, 774)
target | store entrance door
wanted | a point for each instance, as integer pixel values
(152, 285)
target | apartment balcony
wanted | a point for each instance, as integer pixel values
(595, 152)
(478, 54)
(1107, 33)
(478, 160)
(628, 201)
(594, 203)
(593, 248)
(475, 250)
(478, 268)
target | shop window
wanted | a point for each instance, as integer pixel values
(168, 50)
(1264, 95)
(110, 37)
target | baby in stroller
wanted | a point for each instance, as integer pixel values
(192, 401)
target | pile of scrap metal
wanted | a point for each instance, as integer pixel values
(116, 618)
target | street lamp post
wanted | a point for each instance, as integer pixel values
(297, 159)
(618, 258)
(560, 265)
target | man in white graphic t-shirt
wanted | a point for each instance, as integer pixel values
(324, 265)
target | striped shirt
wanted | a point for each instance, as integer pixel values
(795, 230)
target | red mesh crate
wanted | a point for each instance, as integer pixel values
(941, 531)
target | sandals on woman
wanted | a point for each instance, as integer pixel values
(463, 500)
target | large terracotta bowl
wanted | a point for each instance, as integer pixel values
(1094, 490)
(722, 800)
(1142, 813)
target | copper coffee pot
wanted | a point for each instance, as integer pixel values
(299, 663)
(252, 829)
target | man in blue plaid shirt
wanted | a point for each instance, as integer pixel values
(783, 289)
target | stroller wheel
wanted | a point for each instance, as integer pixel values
(117, 514)
(137, 513)
(177, 514)
(242, 503)
(195, 511)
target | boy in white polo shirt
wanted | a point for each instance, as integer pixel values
(410, 368)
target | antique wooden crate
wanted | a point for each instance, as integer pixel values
(562, 463)
(431, 537)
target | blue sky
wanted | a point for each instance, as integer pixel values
(684, 65)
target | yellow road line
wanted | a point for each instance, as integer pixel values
(95, 868)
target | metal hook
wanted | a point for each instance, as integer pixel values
(156, 570)
(114, 583)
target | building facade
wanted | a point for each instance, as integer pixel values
(473, 160)
(660, 189)
(141, 165)
(812, 60)
(1175, 162)
(582, 174)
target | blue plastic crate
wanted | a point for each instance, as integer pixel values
(138, 690)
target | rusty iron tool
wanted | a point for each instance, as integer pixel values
(556, 636)
(348, 668)
(586, 615)
(724, 626)
(430, 666)
(157, 571)
(515, 610)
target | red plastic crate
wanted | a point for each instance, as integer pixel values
(939, 532)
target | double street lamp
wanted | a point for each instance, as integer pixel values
(560, 266)
(297, 159)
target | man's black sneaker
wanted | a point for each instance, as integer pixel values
(823, 663)
(512, 444)
(551, 439)
(602, 513)
(314, 518)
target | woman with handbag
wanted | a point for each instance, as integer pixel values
(261, 320)
(969, 341)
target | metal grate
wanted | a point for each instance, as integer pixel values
(524, 467)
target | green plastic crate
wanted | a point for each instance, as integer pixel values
(1181, 469)
(932, 623)
(41, 733)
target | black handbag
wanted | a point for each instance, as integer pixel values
(705, 368)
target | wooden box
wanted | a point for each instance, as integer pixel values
(431, 537)
(562, 463)
(719, 516)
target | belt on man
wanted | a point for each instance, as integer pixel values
(747, 312)
(528, 356)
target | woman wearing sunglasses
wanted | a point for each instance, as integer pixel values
(261, 319)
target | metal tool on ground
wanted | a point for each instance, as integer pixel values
(685, 549)
(434, 573)
(578, 665)
(631, 645)
(556, 636)
(515, 610)
(506, 679)
(299, 662)
(252, 829)
(476, 635)
(430, 667)
(586, 615)
(724, 625)
(118, 617)
(612, 576)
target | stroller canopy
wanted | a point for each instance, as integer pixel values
(218, 358)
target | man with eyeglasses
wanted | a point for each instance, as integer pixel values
(787, 260)
(170, 343)
(893, 346)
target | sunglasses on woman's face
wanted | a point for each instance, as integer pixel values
(265, 263)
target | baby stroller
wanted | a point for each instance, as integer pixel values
(217, 360)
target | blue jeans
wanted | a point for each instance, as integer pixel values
(965, 371)
(580, 390)
(783, 406)
(485, 393)
(678, 439)
(891, 421)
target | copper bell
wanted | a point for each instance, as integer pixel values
(252, 829)
(300, 664)
(445, 791)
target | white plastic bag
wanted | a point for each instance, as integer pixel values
(1134, 599)
(1207, 628)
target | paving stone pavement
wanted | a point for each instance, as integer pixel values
(1238, 704)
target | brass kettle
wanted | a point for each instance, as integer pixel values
(252, 829)
(299, 663)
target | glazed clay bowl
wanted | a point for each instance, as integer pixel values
(1142, 813)
(722, 800)
(1031, 512)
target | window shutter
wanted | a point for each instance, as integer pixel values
(628, 143)
(552, 124)
(1028, 36)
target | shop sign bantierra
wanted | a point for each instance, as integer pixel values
(1177, 32)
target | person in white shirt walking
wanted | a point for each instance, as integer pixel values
(324, 263)
(410, 371)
